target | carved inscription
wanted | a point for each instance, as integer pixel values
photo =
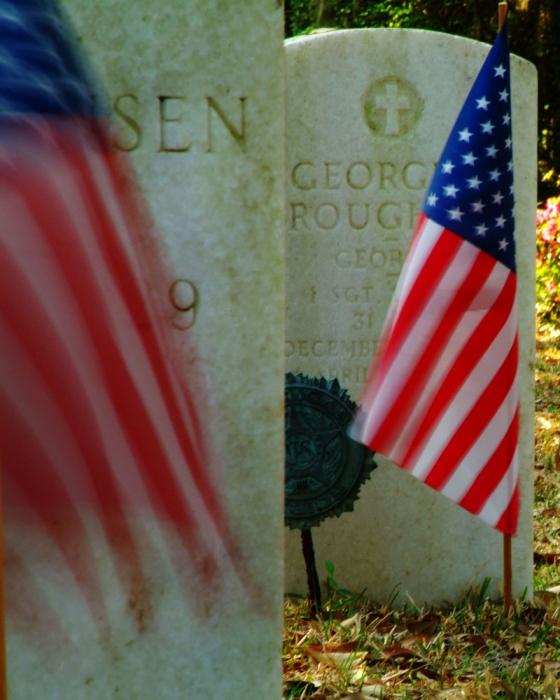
(171, 123)
(183, 296)
(373, 194)
(172, 136)
(325, 348)
(380, 199)
(348, 360)
(348, 225)
(238, 134)
(392, 107)
(126, 110)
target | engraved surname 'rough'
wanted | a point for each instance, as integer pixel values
(329, 216)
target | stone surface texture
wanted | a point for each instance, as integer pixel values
(368, 113)
(197, 93)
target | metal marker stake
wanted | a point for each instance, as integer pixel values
(313, 585)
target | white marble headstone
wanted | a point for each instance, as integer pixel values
(368, 113)
(197, 94)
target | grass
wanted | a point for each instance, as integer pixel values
(356, 649)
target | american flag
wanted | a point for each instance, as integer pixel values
(95, 412)
(441, 399)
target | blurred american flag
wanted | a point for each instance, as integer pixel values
(95, 411)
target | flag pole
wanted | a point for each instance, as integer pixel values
(3, 664)
(502, 13)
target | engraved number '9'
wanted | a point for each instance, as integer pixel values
(184, 299)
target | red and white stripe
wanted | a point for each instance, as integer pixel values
(94, 407)
(442, 400)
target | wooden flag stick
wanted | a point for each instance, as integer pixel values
(3, 665)
(502, 12)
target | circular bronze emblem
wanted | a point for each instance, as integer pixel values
(324, 466)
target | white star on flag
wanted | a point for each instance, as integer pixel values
(450, 190)
(478, 206)
(497, 198)
(481, 230)
(455, 214)
(447, 167)
(432, 199)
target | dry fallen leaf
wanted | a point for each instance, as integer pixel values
(374, 690)
(414, 640)
(349, 622)
(523, 628)
(382, 623)
(546, 557)
(544, 423)
(542, 598)
(395, 651)
(551, 665)
(338, 655)
(426, 625)
(479, 642)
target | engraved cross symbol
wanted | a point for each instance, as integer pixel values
(392, 103)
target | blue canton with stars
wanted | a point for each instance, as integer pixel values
(471, 192)
(41, 70)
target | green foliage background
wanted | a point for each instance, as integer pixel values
(534, 35)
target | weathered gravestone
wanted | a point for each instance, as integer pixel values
(197, 93)
(368, 113)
